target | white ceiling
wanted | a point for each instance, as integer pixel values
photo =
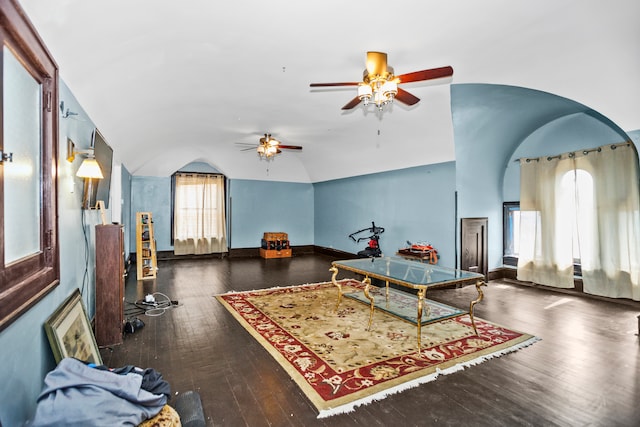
(171, 82)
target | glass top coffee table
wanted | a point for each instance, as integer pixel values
(408, 274)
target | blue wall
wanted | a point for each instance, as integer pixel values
(259, 206)
(566, 134)
(415, 204)
(26, 356)
(254, 207)
(152, 194)
(490, 122)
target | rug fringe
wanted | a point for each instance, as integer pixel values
(350, 407)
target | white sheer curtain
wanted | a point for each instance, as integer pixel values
(582, 205)
(611, 265)
(545, 233)
(199, 214)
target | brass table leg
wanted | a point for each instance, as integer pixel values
(421, 293)
(479, 285)
(338, 285)
(367, 286)
(387, 295)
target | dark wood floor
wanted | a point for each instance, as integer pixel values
(584, 372)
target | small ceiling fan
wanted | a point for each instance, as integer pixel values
(268, 147)
(380, 86)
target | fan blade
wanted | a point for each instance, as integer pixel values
(290, 147)
(247, 149)
(433, 73)
(376, 63)
(355, 101)
(406, 98)
(334, 84)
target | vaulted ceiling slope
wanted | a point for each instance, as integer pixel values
(171, 82)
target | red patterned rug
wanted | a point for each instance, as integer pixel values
(339, 364)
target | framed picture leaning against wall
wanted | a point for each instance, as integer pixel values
(69, 332)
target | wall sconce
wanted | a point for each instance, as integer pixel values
(89, 170)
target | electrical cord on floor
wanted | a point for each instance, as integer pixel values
(151, 306)
(133, 310)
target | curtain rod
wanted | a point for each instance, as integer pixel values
(197, 173)
(573, 153)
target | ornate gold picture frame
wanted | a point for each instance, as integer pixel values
(69, 332)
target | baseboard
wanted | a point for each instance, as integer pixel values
(251, 252)
(170, 255)
(504, 272)
(333, 252)
(255, 252)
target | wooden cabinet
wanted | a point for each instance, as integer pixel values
(145, 246)
(109, 321)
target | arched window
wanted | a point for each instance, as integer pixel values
(576, 206)
(582, 206)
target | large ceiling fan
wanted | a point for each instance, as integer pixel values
(268, 147)
(380, 86)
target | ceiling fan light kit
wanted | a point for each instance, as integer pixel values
(269, 147)
(381, 92)
(379, 85)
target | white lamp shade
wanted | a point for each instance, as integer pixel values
(90, 169)
(389, 88)
(364, 92)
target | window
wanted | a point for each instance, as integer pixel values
(29, 257)
(559, 229)
(198, 214)
(511, 232)
(575, 194)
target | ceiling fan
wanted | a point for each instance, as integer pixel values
(380, 86)
(268, 147)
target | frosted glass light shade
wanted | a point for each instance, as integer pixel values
(89, 169)
(364, 91)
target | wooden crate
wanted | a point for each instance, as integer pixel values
(272, 253)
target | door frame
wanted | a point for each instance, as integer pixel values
(466, 223)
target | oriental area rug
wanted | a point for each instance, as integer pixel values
(339, 364)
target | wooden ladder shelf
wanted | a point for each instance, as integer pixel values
(145, 246)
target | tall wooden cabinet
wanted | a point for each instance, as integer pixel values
(110, 276)
(145, 246)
